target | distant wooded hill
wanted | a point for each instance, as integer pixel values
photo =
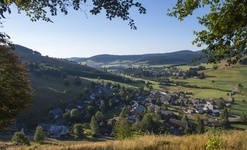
(178, 57)
(67, 66)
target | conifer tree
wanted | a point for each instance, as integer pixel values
(200, 126)
(224, 118)
(39, 135)
(20, 138)
(122, 129)
(94, 127)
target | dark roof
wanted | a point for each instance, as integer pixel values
(57, 111)
(179, 123)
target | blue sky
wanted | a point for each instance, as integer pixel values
(78, 35)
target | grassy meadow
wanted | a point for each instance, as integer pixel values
(225, 78)
(234, 140)
(222, 79)
(49, 93)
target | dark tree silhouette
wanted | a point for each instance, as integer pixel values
(15, 90)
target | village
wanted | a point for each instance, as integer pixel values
(171, 108)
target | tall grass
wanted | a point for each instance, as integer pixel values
(231, 140)
(234, 140)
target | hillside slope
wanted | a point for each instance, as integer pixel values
(49, 89)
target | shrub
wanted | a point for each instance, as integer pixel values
(20, 138)
(214, 141)
(94, 127)
(78, 130)
(39, 135)
(243, 117)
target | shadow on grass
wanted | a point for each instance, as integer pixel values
(90, 139)
(5, 138)
(208, 76)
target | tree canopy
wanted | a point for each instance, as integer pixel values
(15, 90)
(122, 128)
(225, 25)
(42, 9)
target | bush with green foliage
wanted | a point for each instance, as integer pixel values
(94, 127)
(214, 142)
(39, 135)
(20, 138)
(243, 117)
(75, 115)
(78, 130)
(150, 122)
(122, 129)
(99, 116)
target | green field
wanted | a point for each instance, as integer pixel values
(223, 79)
(50, 93)
(186, 67)
(239, 107)
(239, 126)
(132, 85)
(217, 84)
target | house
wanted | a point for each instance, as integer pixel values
(182, 94)
(168, 113)
(92, 96)
(175, 131)
(69, 107)
(198, 103)
(157, 109)
(133, 103)
(58, 131)
(199, 110)
(190, 110)
(178, 123)
(132, 119)
(183, 101)
(138, 110)
(79, 105)
(168, 99)
(56, 113)
(219, 100)
(164, 92)
(211, 108)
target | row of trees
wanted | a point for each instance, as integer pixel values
(161, 74)
(21, 138)
(41, 69)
